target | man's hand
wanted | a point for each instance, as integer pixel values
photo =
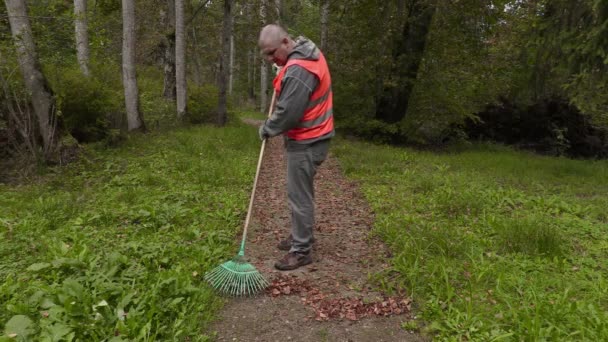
(262, 132)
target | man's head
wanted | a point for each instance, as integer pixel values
(275, 44)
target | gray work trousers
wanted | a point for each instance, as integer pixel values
(302, 163)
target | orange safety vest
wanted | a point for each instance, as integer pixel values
(318, 118)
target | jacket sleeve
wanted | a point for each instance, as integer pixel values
(297, 86)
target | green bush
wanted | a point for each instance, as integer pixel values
(84, 104)
(202, 103)
(371, 129)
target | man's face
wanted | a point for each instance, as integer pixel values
(275, 53)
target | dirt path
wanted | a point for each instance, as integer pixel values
(330, 299)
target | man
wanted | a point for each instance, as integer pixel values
(304, 115)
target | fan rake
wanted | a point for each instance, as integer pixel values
(238, 277)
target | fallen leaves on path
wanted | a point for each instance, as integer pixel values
(327, 307)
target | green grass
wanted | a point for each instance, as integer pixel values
(253, 115)
(493, 244)
(114, 247)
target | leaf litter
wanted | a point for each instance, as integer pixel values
(327, 307)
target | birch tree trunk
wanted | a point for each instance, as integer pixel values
(180, 59)
(263, 65)
(82, 35)
(43, 100)
(135, 121)
(222, 114)
(251, 37)
(278, 7)
(324, 23)
(168, 18)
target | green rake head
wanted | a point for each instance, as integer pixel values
(236, 277)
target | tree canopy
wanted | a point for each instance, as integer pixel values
(418, 71)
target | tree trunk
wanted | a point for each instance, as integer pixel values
(231, 68)
(196, 56)
(82, 35)
(198, 70)
(393, 103)
(135, 121)
(168, 18)
(43, 100)
(222, 114)
(278, 6)
(180, 59)
(263, 65)
(251, 76)
(263, 86)
(324, 22)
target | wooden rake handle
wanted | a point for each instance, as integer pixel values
(255, 182)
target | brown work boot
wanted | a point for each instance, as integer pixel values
(293, 260)
(285, 245)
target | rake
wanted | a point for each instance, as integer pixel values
(237, 277)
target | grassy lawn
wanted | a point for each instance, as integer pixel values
(116, 244)
(493, 244)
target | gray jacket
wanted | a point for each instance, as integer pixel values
(297, 86)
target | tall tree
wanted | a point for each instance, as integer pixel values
(407, 56)
(198, 55)
(231, 66)
(135, 120)
(43, 100)
(224, 74)
(168, 46)
(278, 7)
(573, 43)
(82, 35)
(263, 64)
(180, 59)
(251, 38)
(324, 7)
(251, 75)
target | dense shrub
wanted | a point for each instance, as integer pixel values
(202, 103)
(371, 129)
(551, 126)
(84, 104)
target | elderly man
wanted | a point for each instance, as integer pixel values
(304, 115)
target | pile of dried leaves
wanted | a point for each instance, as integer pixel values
(328, 307)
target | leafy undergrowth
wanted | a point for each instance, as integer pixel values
(114, 246)
(493, 244)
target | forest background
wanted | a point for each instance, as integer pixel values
(529, 73)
